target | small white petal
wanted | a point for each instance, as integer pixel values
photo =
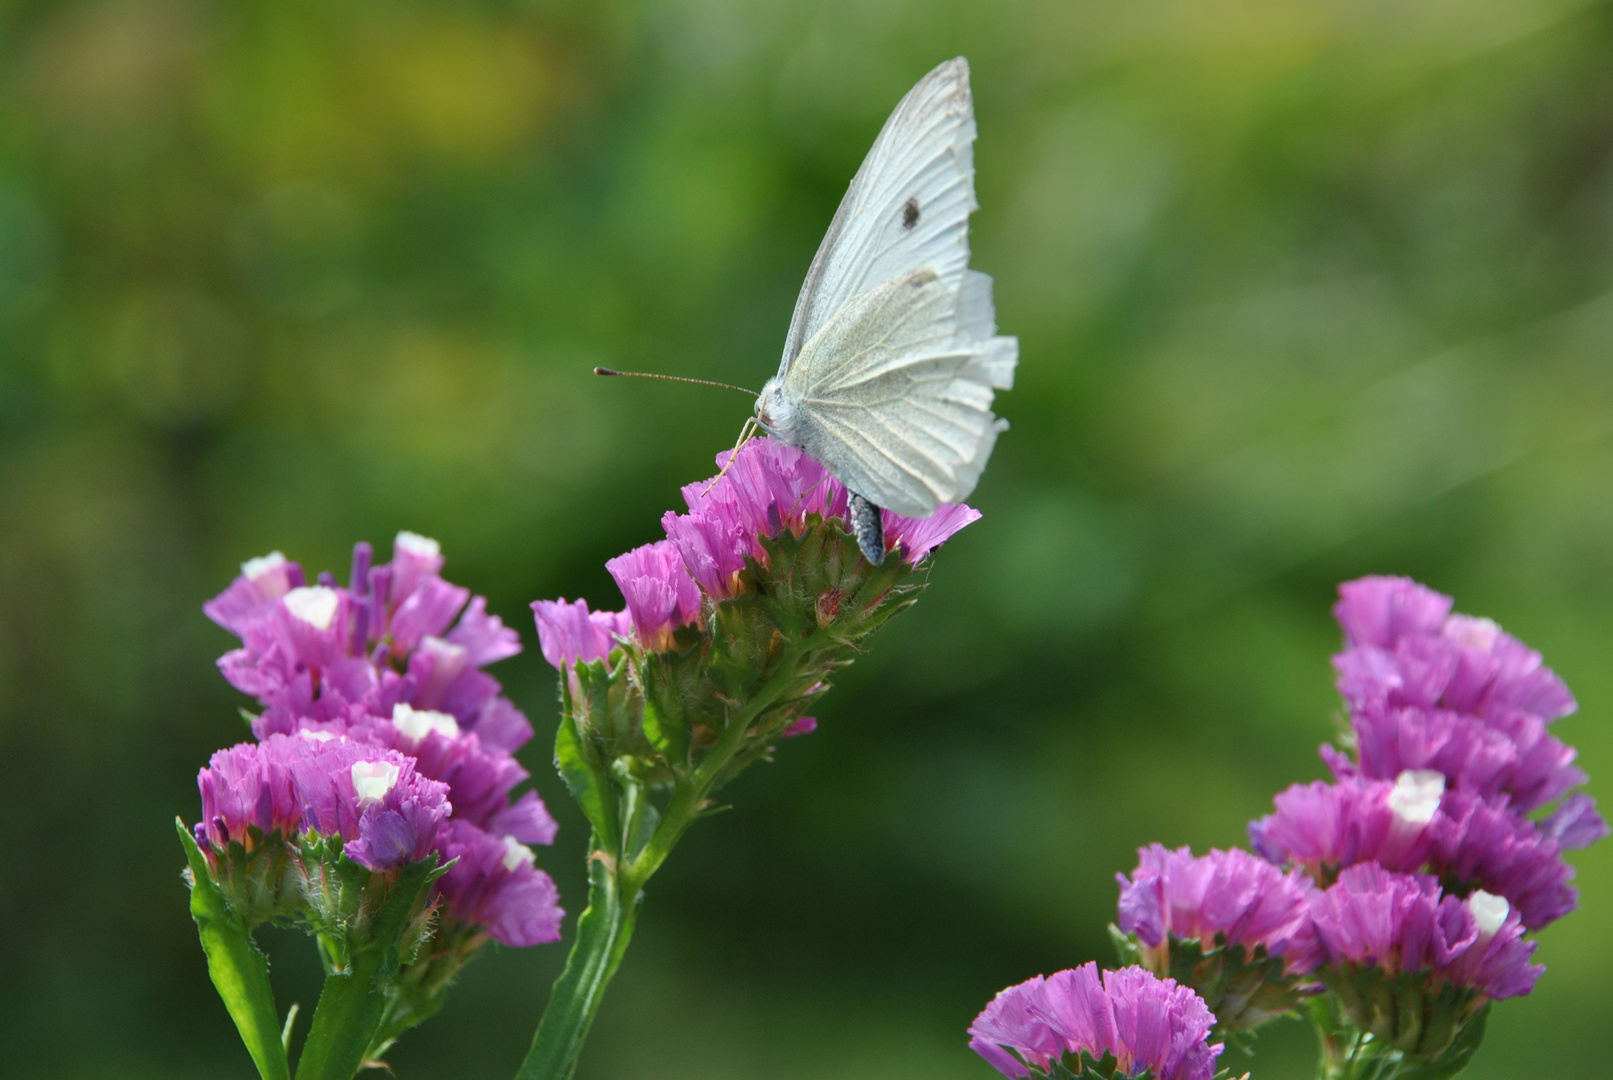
(1472, 631)
(423, 547)
(253, 569)
(418, 723)
(319, 736)
(517, 855)
(1489, 911)
(313, 604)
(373, 779)
(1416, 795)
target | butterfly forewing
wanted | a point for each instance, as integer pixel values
(908, 206)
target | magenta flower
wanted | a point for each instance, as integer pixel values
(326, 654)
(1510, 754)
(1149, 1025)
(1575, 823)
(386, 813)
(570, 633)
(1404, 648)
(245, 788)
(494, 883)
(1416, 825)
(1402, 922)
(1232, 892)
(1488, 846)
(263, 581)
(1322, 827)
(772, 487)
(661, 596)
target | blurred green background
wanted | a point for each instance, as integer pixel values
(1305, 289)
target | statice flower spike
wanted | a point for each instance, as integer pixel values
(737, 622)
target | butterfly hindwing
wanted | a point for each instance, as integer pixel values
(894, 393)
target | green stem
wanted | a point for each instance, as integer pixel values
(603, 932)
(239, 971)
(352, 1003)
(616, 892)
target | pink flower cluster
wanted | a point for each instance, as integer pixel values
(1232, 892)
(767, 488)
(379, 725)
(1149, 1024)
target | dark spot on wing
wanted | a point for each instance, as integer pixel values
(910, 213)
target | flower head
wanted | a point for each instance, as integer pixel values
(386, 813)
(1404, 923)
(1232, 892)
(328, 654)
(1149, 1025)
(244, 788)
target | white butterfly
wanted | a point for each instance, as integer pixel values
(893, 351)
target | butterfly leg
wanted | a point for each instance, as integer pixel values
(867, 526)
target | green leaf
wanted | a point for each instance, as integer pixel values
(353, 1002)
(240, 972)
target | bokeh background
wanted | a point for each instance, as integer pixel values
(1305, 289)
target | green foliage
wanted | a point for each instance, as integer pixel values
(240, 972)
(1244, 990)
(1411, 1026)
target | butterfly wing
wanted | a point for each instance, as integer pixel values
(907, 208)
(893, 394)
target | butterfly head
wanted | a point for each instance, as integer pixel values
(775, 412)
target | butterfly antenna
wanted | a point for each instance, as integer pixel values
(745, 433)
(671, 378)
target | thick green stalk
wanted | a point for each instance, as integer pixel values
(616, 891)
(603, 932)
(239, 971)
(353, 1001)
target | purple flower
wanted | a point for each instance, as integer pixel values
(384, 810)
(1232, 892)
(1322, 827)
(1485, 844)
(495, 884)
(1575, 823)
(1404, 649)
(479, 777)
(1511, 753)
(1381, 610)
(263, 581)
(244, 788)
(1147, 1023)
(661, 596)
(806, 725)
(331, 655)
(772, 487)
(1402, 922)
(570, 633)
(1416, 825)
(713, 546)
